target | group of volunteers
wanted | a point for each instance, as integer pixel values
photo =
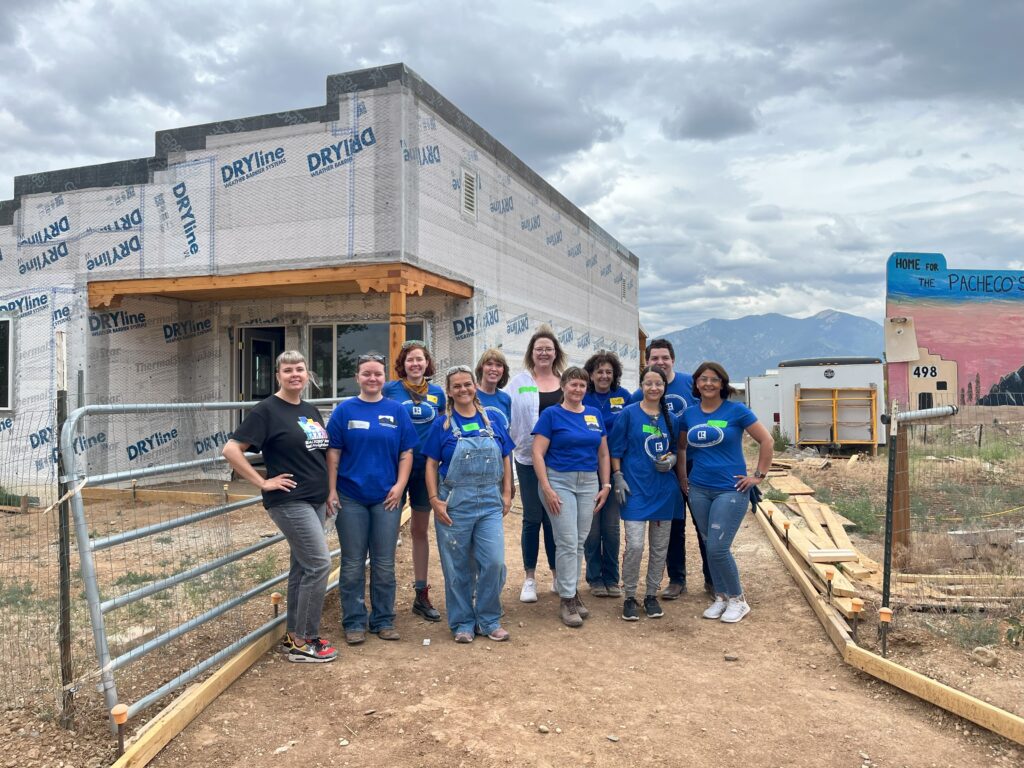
(587, 453)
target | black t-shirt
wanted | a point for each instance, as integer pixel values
(293, 440)
(547, 399)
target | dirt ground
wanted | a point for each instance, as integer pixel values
(657, 692)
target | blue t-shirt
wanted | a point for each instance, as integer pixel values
(575, 438)
(638, 440)
(610, 404)
(371, 437)
(440, 443)
(678, 394)
(422, 413)
(715, 444)
(498, 406)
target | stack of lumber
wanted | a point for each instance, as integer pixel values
(954, 592)
(816, 536)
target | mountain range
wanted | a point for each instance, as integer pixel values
(750, 345)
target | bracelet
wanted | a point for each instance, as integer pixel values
(431, 498)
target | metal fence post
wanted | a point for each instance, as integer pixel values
(890, 490)
(67, 701)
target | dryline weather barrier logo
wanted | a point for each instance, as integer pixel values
(188, 329)
(336, 155)
(100, 324)
(253, 164)
(48, 233)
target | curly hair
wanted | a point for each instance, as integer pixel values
(604, 357)
(406, 349)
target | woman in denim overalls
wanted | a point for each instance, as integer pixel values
(469, 482)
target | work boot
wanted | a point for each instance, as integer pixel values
(422, 606)
(568, 613)
(581, 609)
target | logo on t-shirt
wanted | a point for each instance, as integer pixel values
(422, 412)
(656, 445)
(704, 435)
(616, 403)
(676, 403)
(386, 421)
(316, 435)
(592, 423)
(496, 414)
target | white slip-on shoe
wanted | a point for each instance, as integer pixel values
(736, 610)
(717, 608)
(529, 592)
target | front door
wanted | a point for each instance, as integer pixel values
(258, 348)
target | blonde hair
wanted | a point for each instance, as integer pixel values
(291, 357)
(449, 406)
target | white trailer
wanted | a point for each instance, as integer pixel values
(832, 402)
(763, 398)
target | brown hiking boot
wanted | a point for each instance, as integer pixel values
(568, 613)
(581, 609)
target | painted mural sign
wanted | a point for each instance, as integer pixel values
(966, 327)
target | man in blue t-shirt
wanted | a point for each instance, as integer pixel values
(678, 397)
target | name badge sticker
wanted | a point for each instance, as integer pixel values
(650, 429)
(471, 426)
(432, 399)
(721, 424)
(357, 424)
(527, 389)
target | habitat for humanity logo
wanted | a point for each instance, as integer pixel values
(251, 165)
(336, 155)
(186, 330)
(102, 323)
(468, 326)
(26, 305)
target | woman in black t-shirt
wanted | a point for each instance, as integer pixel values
(291, 435)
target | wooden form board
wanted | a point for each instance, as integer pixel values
(832, 555)
(794, 486)
(987, 716)
(799, 543)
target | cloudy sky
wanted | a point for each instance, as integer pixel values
(757, 157)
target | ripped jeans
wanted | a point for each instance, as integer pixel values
(718, 515)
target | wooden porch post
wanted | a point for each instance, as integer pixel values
(396, 319)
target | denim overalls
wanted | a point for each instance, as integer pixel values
(472, 548)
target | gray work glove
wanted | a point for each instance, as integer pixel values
(665, 463)
(621, 488)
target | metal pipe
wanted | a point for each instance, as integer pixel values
(924, 413)
(161, 469)
(890, 486)
(169, 525)
(198, 669)
(157, 586)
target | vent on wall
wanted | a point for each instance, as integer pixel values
(468, 193)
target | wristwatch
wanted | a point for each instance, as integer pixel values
(759, 475)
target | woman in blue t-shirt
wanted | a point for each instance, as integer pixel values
(570, 457)
(601, 548)
(368, 463)
(492, 374)
(642, 446)
(718, 484)
(424, 402)
(469, 479)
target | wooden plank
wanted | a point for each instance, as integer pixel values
(959, 703)
(810, 515)
(839, 535)
(172, 720)
(958, 578)
(791, 485)
(829, 621)
(798, 542)
(161, 495)
(831, 555)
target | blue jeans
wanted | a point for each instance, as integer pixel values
(718, 515)
(366, 530)
(576, 492)
(534, 518)
(602, 545)
(302, 524)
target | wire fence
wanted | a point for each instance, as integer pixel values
(145, 607)
(958, 557)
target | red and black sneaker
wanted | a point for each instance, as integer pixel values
(315, 651)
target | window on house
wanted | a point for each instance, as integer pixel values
(334, 349)
(6, 362)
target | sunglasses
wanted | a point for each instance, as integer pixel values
(370, 358)
(458, 369)
(414, 343)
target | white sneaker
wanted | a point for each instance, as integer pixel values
(717, 608)
(736, 610)
(529, 592)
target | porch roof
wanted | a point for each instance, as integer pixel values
(388, 277)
